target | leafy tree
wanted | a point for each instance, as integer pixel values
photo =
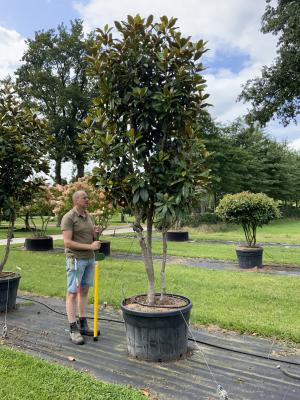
(277, 92)
(251, 210)
(143, 125)
(53, 79)
(23, 145)
(99, 207)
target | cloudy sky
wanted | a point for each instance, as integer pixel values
(232, 28)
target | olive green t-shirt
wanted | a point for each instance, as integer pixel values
(82, 232)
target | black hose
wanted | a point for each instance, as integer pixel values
(191, 339)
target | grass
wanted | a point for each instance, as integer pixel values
(267, 305)
(220, 251)
(279, 231)
(28, 378)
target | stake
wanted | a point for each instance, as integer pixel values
(96, 284)
(98, 257)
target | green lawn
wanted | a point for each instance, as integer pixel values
(268, 305)
(272, 255)
(28, 378)
(282, 230)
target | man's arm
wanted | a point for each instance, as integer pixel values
(71, 244)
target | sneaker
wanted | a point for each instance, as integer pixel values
(75, 335)
(84, 328)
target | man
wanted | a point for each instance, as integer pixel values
(79, 236)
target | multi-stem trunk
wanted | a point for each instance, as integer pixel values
(147, 255)
(163, 265)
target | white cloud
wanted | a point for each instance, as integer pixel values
(12, 47)
(228, 26)
(295, 144)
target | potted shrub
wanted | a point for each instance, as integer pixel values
(23, 150)
(251, 210)
(41, 205)
(152, 161)
(100, 208)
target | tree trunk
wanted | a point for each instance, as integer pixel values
(80, 169)
(163, 265)
(148, 261)
(122, 217)
(7, 247)
(26, 220)
(58, 172)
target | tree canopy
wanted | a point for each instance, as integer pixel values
(53, 78)
(277, 92)
(23, 145)
(143, 125)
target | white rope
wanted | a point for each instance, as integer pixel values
(221, 392)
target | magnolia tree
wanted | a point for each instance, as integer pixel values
(143, 124)
(42, 204)
(23, 149)
(99, 206)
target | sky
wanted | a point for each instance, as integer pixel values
(237, 48)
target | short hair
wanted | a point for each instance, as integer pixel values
(77, 194)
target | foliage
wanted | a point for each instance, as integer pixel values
(23, 145)
(251, 210)
(53, 78)
(41, 204)
(244, 158)
(277, 91)
(151, 157)
(99, 206)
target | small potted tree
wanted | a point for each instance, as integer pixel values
(23, 150)
(100, 208)
(41, 205)
(151, 157)
(250, 210)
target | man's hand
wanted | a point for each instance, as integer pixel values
(96, 245)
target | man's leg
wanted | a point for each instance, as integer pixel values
(83, 298)
(71, 302)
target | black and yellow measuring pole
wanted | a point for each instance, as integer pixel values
(98, 257)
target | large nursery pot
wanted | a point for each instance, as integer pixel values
(250, 257)
(39, 243)
(156, 335)
(177, 236)
(9, 283)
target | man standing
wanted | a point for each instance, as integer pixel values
(79, 236)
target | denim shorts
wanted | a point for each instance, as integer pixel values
(80, 273)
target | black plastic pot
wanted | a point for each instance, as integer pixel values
(9, 283)
(39, 243)
(157, 336)
(177, 236)
(250, 257)
(105, 247)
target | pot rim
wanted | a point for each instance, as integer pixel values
(158, 314)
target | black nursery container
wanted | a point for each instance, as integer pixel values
(105, 247)
(9, 284)
(250, 257)
(177, 236)
(157, 336)
(39, 243)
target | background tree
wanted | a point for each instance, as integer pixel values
(277, 92)
(53, 79)
(23, 145)
(143, 125)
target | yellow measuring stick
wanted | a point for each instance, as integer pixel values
(98, 257)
